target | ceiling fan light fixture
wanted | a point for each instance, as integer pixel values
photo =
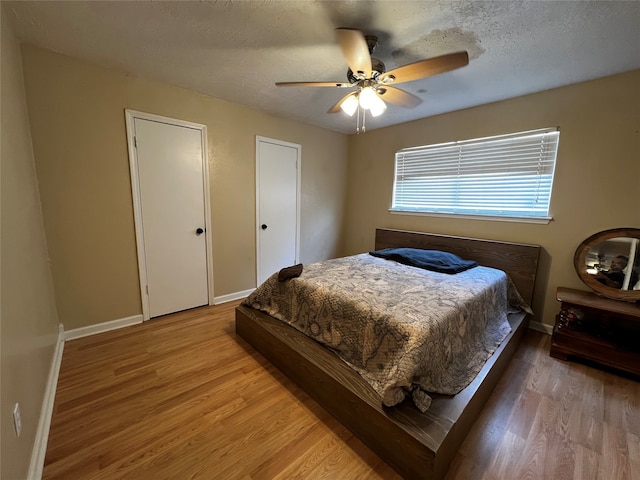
(367, 97)
(374, 85)
(350, 104)
(378, 108)
(369, 100)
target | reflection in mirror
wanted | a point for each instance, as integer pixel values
(613, 263)
(609, 263)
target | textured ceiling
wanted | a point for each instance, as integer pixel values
(237, 50)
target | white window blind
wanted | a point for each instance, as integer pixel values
(507, 175)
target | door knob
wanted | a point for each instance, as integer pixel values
(199, 231)
(264, 226)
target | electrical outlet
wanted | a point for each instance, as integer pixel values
(17, 420)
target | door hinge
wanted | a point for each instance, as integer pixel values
(147, 289)
(135, 142)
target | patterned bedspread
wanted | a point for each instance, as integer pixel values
(405, 330)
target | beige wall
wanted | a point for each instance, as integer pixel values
(596, 184)
(78, 127)
(28, 319)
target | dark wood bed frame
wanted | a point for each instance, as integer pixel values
(417, 445)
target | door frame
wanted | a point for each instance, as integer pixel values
(130, 116)
(298, 149)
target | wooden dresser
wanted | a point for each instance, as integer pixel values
(598, 329)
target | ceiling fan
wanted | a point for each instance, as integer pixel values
(373, 84)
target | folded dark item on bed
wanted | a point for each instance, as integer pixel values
(434, 260)
(407, 331)
(288, 273)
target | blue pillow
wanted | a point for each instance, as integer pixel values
(434, 260)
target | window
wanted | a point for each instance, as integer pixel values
(502, 176)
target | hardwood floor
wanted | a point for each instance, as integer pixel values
(181, 397)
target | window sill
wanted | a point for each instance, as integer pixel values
(538, 220)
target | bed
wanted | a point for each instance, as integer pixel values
(417, 444)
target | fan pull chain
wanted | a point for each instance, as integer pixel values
(361, 128)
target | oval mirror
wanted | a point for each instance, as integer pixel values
(609, 263)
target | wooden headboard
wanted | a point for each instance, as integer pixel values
(518, 260)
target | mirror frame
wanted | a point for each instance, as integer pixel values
(580, 264)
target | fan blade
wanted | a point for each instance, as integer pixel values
(425, 68)
(314, 84)
(398, 97)
(336, 108)
(355, 50)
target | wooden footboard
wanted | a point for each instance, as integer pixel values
(417, 445)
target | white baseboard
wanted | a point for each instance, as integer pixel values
(232, 296)
(36, 465)
(102, 327)
(541, 327)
